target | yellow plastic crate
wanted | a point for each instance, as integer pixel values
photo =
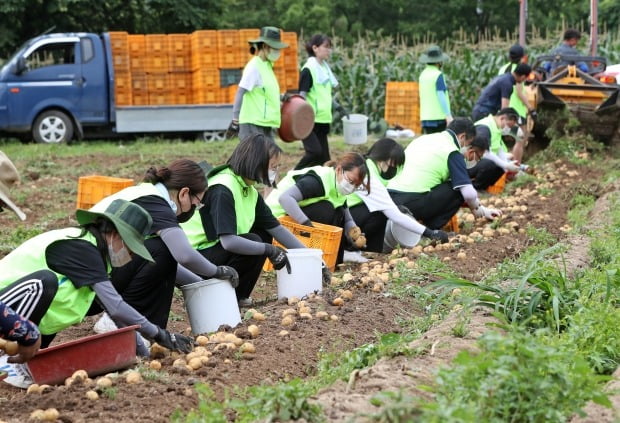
(321, 236)
(93, 188)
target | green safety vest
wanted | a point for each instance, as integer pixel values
(496, 141)
(328, 178)
(320, 97)
(515, 101)
(354, 199)
(261, 105)
(70, 304)
(426, 163)
(430, 108)
(245, 197)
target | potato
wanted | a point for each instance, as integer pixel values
(11, 347)
(253, 330)
(338, 301)
(104, 382)
(355, 232)
(287, 321)
(333, 318)
(461, 256)
(133, 377)
(155, 365)
(346, 294)
(51, 415)
(360, 242)
(323, 315)
(202, 340)
(92, 395)
(305, 316)
(37, 414)
(247, 347)
(305, 310)
(179, 362)
(204, 359)
(33, 389)
(378, 287)
(157, 351)
(289, 312)
(69, 381)
(283, 332)
(293, 300)
(195, 363)
(347, 277)
(258, 316)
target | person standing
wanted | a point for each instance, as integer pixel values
(256, 108)
(496, 95)
(316, 82)
(435, 111)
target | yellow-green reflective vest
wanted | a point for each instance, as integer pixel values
(328, 178)
(320, 97)
(245, 197)
(261, 105)
(430, 108)
(426, 163)
(496, 141)
(354, 199)
(515, 101)
(70, 304)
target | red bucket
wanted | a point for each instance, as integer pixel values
(297, 119)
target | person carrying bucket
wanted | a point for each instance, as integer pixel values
(316, 82)
(54, 278)
(235, 227)
(256, 108)
(319, 194)
(434, 182)
(170, 195)
(372, 210)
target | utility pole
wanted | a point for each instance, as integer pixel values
(522, 21)
(593, 26)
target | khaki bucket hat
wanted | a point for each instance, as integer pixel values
(270, 35)
(8, 177)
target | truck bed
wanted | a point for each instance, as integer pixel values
(181, 118)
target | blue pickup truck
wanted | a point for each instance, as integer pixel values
(60, 87)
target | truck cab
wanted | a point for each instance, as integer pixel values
(54, 86)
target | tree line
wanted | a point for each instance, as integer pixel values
(413, 20)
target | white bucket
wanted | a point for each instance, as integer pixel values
(209, 304)
(396, 235)
(355, 129)
(306, 275)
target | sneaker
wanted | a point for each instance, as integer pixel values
(354, 257)
(244, 302)
(18, 375)
(104, 324)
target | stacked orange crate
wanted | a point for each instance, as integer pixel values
(157, 68)
(158, 85)
(203, 45)
(180, 68)
(402, 105)
(206, 86)
(139, 89)
(245, 35)
(228, 49)
(122, 73)
(122, 89)
(291, 63)
(137, 64)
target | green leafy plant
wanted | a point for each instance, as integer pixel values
(208, 410)
(394, 407)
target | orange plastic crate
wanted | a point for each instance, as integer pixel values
(93, 188)
(214, 95)
(452, 225)
(290, 54)
(120, 50)
(137, 52)
(402, 105)
(156, 53)
(499, 185)
(159, 97)
(203, 50)
(158, 81)
(324, 237)
(206, 78)
(230, 58)
(227, 38)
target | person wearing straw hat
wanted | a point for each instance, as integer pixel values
(8, 177)
(73, 265)
(435, 112)
(256, 108)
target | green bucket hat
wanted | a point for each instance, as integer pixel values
(132, 222)
(270, 35)
(433, 54)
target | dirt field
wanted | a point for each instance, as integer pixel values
(293, 355)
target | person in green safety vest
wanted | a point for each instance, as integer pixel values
(73, 265)
(316, 82)
(170, 194)
(256, 108)
(371, 210)
(435, 111)
(319, 194)
(434, 182)
(235, 227)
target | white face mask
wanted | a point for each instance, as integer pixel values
(272, 175)
(344, 186)
(118, 258)
(273, 55)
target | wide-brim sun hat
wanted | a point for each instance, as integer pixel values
(131, 221)
(433, 54)
(270, 35)
(8, 176)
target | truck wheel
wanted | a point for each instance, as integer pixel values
(52, 127)
(211, 136)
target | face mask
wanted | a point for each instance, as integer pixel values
(186, 215)
(467, 154)
(344, 186)
(118, 258)
(272, 176)
(389, 173)
(273, 55)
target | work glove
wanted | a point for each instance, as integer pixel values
(228, 273)
(174, 341)
(326, 275)
(233, 130)
(341, 110)
(487, 213)
(512, 167)
(277, 257)
(436, 234)
(285, 97)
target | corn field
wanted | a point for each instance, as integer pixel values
(364, 68)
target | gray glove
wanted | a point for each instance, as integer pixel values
(232, 131)
(436, 234)
(228, 273)
(174, 341)
(277, 257)
(326, 275)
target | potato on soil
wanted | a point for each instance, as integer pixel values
(33, 389)
(283, 332)
(195, 363)
(253, 330)
(287, 321)
(80, 375)
(338, 301)
(346, 294)
(202, 340)
(247, 347)
(293, 301)
(258, 316)
(92, 395)
(133, 377)
(155, 365)
(323, 315)
(104, 382)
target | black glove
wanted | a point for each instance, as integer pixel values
(277, 257)
(534, 115)
(232, 131)
(174, 341)
(436, 234)
(228, 273)
(326, 275)
(285, 97)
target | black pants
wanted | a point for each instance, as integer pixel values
(434, 129)
(146, 286)
(434, 208)
(324, 212)
(479, 113)
(372, 224)
(31, 296)
(316, 147)
(248, 267)
(484, 174)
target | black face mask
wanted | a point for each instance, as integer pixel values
(389, 173)
(187, 215)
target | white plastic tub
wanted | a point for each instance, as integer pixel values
(355, 129)
(396, 235)
(210, 304)
(305, 277)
